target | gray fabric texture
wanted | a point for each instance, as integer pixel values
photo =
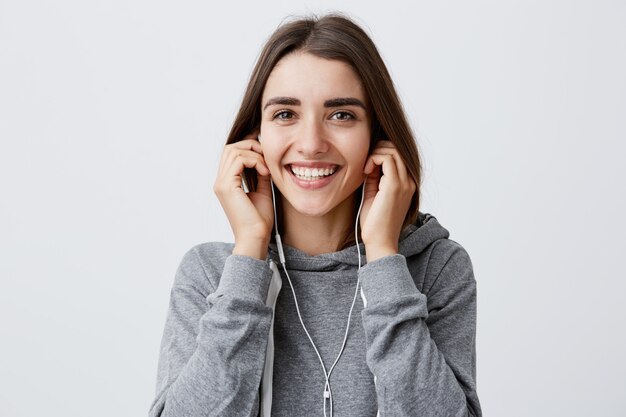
(417, 333)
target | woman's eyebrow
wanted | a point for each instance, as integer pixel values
(287, 101)
(345, 101)
(333, 102)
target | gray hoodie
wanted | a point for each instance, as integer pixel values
(416, 335)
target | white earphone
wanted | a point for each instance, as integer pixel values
(327, 388)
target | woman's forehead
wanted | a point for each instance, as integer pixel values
(310, 78)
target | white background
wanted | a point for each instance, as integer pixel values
(112, 120)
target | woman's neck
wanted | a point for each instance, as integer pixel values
(315, 235)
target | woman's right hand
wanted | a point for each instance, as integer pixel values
(251, 215)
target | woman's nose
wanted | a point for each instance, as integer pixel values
(311, 139)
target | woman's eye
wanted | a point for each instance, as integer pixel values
(343, 115)
(283, 115)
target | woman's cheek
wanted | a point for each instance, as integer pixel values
(272, 160)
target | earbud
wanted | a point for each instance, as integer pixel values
(258, 138)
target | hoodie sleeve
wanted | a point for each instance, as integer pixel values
(213, 346)
(421, 349)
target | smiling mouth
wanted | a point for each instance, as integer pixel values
(312, 174)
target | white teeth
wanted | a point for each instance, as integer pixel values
(311, 173)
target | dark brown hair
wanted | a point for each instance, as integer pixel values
(334, 36)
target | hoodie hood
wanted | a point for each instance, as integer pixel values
(413, 240)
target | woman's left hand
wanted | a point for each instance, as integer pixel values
(389, 190)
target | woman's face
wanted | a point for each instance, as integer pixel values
(315, 121)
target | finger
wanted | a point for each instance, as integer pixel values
(232, 153)
(232, 179)
(370, 167)
(371, 186)
(387, 164)
(237, 160)
(252, 160)
(387, 148)
(400, 165)
(233, 149)
(250, 144)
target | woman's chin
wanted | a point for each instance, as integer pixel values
(309, 211)
(319, 206)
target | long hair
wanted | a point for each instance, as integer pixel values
(334, 36)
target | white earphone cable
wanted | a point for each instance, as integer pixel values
(356, 291)
(327, 388)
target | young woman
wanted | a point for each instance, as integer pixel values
(319, 180)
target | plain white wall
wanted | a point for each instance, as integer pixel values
(112, 120)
